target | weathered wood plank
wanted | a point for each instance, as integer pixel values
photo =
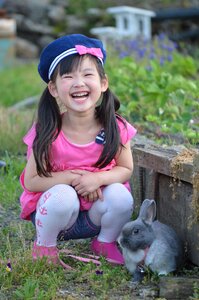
(177, 288)
(177, 201)
(159, 159)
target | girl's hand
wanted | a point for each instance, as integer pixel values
(87, 183)
(92, 197)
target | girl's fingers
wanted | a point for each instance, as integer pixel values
(91, 197)
(100, 195)
(86, 198)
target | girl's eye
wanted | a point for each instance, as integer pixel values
(66, 76)
(88, 74)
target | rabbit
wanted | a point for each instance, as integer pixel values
(150, 243)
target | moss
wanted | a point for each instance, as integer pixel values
(188, 156)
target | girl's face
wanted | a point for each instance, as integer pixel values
(80, 89)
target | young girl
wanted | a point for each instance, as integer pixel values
(79, 161)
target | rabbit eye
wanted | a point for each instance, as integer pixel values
(135, 231)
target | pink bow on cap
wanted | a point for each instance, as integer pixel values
(93, 51)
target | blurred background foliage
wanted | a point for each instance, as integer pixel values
(156, 82)
(158, 87)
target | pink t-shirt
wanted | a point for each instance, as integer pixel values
(69, 156)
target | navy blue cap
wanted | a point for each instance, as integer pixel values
(65, 46)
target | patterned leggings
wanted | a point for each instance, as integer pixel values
(58, 215)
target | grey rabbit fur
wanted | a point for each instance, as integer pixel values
(151, 243)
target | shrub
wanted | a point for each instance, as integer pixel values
(158, 95)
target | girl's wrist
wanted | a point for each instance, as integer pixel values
(71, 177)
(99, 176)
(68, 177)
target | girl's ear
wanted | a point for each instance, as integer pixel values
(52, 89)
(104, 84)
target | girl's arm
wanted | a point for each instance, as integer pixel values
(35, 183)
(123, 170)
(121, 173)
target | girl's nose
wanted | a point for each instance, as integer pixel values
(78, 82)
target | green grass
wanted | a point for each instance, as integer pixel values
(28, 280)
(10, 187)
(14, 125)
(19, 83)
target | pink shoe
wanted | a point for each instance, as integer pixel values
(109, 250)
(41, 251)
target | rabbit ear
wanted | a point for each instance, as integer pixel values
(148, 211)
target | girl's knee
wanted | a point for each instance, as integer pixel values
(60, 199)
(63, 189)
(119, 197)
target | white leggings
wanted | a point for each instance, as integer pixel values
(58, 209)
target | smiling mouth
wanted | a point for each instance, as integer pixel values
(80, 95)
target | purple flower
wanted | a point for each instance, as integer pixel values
(152, 55)
(133, 45)
(8, 267)
(145, 41)
(141, 52)
(170, 48)
(98, 272)
(161, 36)
(160, 49)
(149, 68)
(123, 54)
(163, 46)
(169, 58)
(162, 60)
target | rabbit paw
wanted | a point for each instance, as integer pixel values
(138, 275)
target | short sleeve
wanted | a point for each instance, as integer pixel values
(127, 131)
(29, 138)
